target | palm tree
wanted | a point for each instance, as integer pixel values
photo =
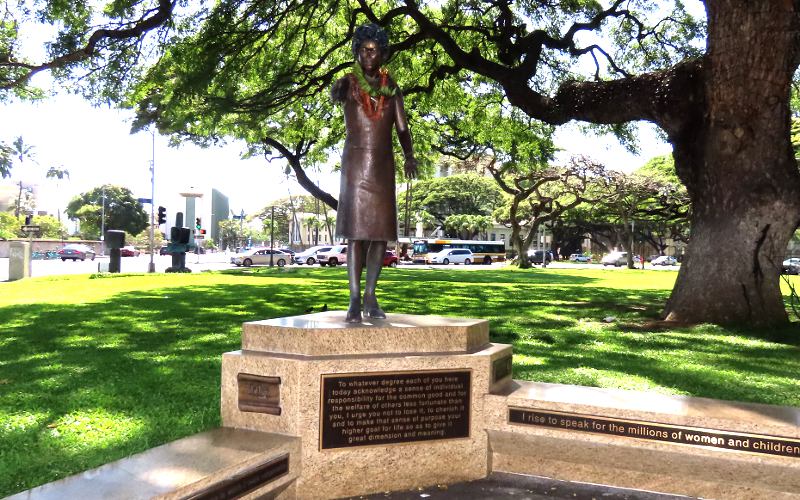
(6, 160)
(21, 151)
(58, 174)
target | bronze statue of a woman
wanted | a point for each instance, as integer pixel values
(367, 213)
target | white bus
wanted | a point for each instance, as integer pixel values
(485, 252)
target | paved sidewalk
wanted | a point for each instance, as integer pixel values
(501, 486)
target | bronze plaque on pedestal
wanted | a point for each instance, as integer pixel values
(394, 407)
(259, 394)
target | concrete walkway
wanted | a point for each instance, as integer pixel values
(502, 486)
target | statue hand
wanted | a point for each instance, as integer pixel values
(410, 167)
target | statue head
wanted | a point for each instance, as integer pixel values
(373, 37)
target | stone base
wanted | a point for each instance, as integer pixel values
(19, 262)
(675, 467)
(222, 463)
(394, 442)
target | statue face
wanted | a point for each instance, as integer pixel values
(370, 57)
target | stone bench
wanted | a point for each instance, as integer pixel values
(221, 463)
(674, 444)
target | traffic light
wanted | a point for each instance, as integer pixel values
(197, 223)
(162, 215)
(28, 219)
(202, 231)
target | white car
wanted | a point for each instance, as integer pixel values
(664, 260)
(617, 259)
(454, 255)
(260, 255)
(614, 259)
(309, 256)
(579, 257)
(791, 266)
(333, 257)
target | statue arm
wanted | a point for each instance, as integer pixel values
(339, 90)
(404, 135)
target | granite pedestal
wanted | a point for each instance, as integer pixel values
(385, 405)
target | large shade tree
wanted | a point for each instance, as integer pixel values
(719, 91)
(434, 200)
(107, 207)
(723, 106)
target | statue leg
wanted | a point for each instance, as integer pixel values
(355, 263)
(375, 254)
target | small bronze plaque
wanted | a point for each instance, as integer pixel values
(259, 394)
(692, 436)
(501, 368)
(395, 407)
(244, 482)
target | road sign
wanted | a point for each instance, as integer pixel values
(144, 200)
(199, 236)
(31, 228)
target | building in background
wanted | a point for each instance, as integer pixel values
(220, 211)
(10, 192)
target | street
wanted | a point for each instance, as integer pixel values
(221, 260)
(140, 264)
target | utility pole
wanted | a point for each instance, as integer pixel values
(271, 235)
(316, 226)
(152, 267)
(103, 222)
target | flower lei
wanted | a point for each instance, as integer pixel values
(364, 91)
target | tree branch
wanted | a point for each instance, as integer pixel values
(162, 14)
(299, 172)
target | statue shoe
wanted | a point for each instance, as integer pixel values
(372, 308)
(353, 314)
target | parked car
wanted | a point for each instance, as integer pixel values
(309, 256)
(76, 251)
(454, 255)
(664, 260)
(260, 255)
(390, 259)
(578, 257)
(163, 251)
(617, 259)
(128, 251)
(287, 250)
(333, 257)
(535, 256)
(791, 266)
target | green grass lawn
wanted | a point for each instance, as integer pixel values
(95, 369)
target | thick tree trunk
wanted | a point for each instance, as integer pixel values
(738, 166)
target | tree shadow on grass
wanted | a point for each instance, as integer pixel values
(85, 384)
(148, 360)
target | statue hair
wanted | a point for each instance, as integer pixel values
(371, 32)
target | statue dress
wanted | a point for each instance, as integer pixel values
(367, 207)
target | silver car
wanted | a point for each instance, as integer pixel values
(261, 256)
(309, 256)
(76, 251)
